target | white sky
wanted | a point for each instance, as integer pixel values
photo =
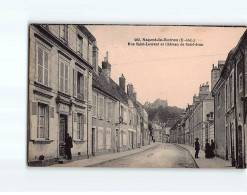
(172, 73)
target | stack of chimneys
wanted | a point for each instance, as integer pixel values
(106, 68)
(95, 57)
(122, 82)
(204, 87)
(130, 89)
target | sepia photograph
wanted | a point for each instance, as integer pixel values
(137, 96)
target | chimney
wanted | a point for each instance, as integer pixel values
(134, 95)
(106, 68)
(130, 90)
(95, 58)
(194, 98)
(122, 82)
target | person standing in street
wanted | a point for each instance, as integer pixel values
(68, 146)
(212, 148)
(207, 150)
(197, 147)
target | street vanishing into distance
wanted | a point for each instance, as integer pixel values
(161, 156)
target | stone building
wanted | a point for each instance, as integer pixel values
(202, 105)
(70, 93)
(60, 80)
(175, 132)
(157, 132)
(230, 97)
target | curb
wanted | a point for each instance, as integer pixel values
(190, 155)
(102, 162)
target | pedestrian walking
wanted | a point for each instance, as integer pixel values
(68, 146)
(207, 150)
(212, 147)
(197, 147)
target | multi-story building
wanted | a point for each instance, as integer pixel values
(230, 106)
(60, 80)
(202, 105)
(70, 93)
(175, 132)
(157, 132)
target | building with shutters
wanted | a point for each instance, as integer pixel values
(105, 110)
(60, 92)
(116, 115)
(230, 106)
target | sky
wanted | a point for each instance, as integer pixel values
(173, 73)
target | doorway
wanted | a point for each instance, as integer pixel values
(62, 133)
(117, 141)
(232, 145)
(93, 141)
(240, 148)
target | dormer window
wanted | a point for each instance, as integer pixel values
(63, 31)
(79, 44)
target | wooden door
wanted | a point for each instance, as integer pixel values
(62, 134)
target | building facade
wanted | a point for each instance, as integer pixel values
(60, 76)
(231, 90)
(70, 94)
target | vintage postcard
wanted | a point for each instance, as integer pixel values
(137, 96)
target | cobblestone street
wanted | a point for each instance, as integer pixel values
(161, 156)
(154, 156)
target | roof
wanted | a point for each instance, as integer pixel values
(110, 88)
(175, 125)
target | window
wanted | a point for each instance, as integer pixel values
(109, 110)
(80, 86)
(108, 138)
(130, 117)
(226, 96)
(218, 99)
(240, 83)
(79, 44)
(94, 106)
(231, 90)
(88, 48)
(101, 107)
(63, 30)
(64, 77)
(80, 126)
(42, 66)
(43, 121)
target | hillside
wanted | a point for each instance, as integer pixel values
(163, 115)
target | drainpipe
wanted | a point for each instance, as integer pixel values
(87, 111)
(236, 115)
(244, 126)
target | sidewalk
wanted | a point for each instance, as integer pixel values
(203, 162)
(97, 160)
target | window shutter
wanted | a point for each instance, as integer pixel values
(51, 111)
(101, 107)
(61, 77)
(94, 104)
(46, 69)
(40, 65)
(75, 83)
(66, 78)
(46, 131)
(33, 121)
(82, 126)
(34, 108)
(74, 125)
(85, 88)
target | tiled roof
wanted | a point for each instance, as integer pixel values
(110, 88)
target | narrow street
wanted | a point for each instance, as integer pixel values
(162, 156)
